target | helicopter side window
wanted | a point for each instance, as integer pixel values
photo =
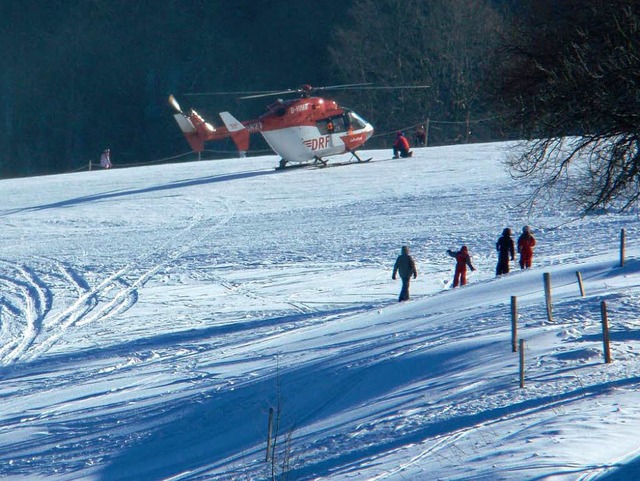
(332, 125)
(338, 124)
(325, 126)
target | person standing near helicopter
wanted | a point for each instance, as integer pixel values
(420, 136)
(401, 146)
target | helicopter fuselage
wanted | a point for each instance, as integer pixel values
(310, 128)
(299, 130)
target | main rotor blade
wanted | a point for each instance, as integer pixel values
(342, 86)
(255, 94)
(268, 94)
(264, 92)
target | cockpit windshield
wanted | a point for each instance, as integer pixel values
(355, 120)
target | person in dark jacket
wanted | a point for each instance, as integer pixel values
(420, 137)
(401, 146)
(406, 267)
(506, 251)
(463, 259)
(526, 243)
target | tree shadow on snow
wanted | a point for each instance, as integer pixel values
(123, 193)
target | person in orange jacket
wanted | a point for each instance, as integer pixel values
(526, 243)
(401, 146)
(463, 259)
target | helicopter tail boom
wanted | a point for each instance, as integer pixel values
(198, 131)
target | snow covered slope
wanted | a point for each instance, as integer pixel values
(151, 317)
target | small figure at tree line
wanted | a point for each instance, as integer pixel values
(463, 260)
(401, 146)
(420, 137)
(406, 267)
(526, 243)
(105, 159)
(506, 251)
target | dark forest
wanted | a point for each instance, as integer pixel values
(83, 75)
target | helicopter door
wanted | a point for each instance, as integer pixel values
(331, 126)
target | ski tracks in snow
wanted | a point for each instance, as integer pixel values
(31, 322)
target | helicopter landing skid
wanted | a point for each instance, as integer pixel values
(353, 152)
(285, 165)
(321, 163)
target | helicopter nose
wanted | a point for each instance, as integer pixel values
(368, 129)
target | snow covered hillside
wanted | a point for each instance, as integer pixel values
(151, 317)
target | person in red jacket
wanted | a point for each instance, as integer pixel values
(463, 259)
(401, 146)
(526, 243)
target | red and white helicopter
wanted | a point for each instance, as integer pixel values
(299, 130)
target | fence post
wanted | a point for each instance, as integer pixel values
(579, 276)
(269, 431)
(89, 166)
(426, 134)
(547, 294)
(467, 127)
(514, 324)
(623, 235)
(521, 363)
(605, 332)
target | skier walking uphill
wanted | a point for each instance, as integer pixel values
(506, 250)
(526, 243)
(463, 259)
(406, 267)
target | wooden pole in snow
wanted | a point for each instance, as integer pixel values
(426, 134)
(623, 235)
(269, 433)
(605, 332)
(514, 324)
(547, 294)
(521, 363)
(579, 276)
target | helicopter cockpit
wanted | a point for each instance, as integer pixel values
(344, 122)
(355, 121)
